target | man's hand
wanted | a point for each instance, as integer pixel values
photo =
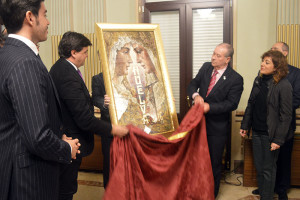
(243, 133)
(198, 100)
(106, 101)
(119, 131)
(274, 146)
(74, 144)
(65, 137)
(206, 107)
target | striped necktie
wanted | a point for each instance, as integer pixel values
(212, 82)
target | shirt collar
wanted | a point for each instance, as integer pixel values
(221, 71)
(72, 65)
(28, 42)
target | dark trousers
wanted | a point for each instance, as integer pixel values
(106, 141)
(68, 179)
(283, 176)
(265, 164)
(216, 146)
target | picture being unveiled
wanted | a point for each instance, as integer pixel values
(136, 76)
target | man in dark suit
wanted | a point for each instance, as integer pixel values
(77, 106)
(101, 100)
(30, 122)
(220, 90)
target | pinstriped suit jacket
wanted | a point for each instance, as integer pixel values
(30, 124)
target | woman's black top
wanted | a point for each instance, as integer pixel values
(260, 107)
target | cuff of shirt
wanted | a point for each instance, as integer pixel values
(194, 95)
(104, 107)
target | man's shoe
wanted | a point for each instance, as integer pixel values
(255, 192)
(282, 196)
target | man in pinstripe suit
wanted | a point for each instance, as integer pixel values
(30, 122)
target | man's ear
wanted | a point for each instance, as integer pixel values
(285, 53)
(228, 60)
(30, 18)
(73, 53)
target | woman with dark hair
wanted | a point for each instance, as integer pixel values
(269, 114)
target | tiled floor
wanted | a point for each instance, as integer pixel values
(90, 187)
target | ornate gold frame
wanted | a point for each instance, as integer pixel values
(108, 36)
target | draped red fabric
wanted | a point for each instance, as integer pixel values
(147, 167)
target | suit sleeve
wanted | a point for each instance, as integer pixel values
(28, 93)
(72, 94)
(296, 90)
(232, 99)
(98, 92)
(247, 119)
(285, 113)
(195, 83)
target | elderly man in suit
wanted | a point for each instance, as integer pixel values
(220, 89)
(77, 106)
(31, 134)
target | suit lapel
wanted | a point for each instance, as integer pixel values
(76, 75)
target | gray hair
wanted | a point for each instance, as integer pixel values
(230, 50)
(285, 47)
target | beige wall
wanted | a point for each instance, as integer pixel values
(121, 11)
(255, 33)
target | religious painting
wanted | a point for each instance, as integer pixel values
(136, 77)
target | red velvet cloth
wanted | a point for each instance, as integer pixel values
(147, 167)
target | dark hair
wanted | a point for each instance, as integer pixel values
(13, 12)
(72, 41)
(229, 48)
(280, 64)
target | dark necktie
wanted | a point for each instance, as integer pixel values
(79, 72)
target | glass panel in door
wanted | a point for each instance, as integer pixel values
(207, 34)
(169, 27)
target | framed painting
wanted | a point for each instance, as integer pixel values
(136, 76)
